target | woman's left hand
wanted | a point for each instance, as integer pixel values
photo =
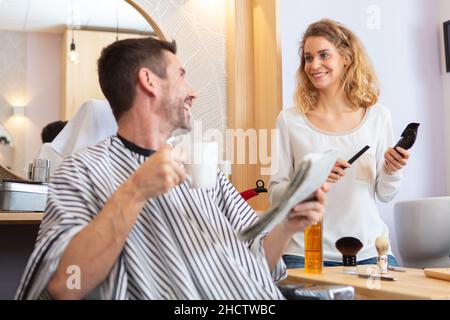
(395, 159)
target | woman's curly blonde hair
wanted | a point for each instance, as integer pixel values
(359, 82)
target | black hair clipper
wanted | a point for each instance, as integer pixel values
(408, 136)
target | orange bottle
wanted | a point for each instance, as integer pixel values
(313, 248)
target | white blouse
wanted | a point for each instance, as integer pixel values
(351, 206)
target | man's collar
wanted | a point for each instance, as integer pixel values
(135, 148)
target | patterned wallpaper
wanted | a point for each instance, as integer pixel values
(13, 60)
(13, 64)
(199, 27)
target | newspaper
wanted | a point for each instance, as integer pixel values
(312, 172)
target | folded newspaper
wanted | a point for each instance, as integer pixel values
(312, 172)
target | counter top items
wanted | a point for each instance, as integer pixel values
(317, 292)
(411, 284)
(376, 277)
(39, 170)
(397, 269)
(349, 247)
(314, 248)
(23, 196)
(438, 273)
(382, 245)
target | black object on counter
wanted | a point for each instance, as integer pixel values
(349, 247)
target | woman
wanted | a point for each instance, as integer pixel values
(336, 107)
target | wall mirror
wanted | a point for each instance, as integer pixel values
(41, 79)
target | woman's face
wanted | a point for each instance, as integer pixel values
(324, 65)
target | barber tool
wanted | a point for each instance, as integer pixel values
(317, 292)
(349, 247)
(359, 154)
(409, 136)
(382, 245)
(39, 170)
(250, 193)
(376, 277)
(398, 269)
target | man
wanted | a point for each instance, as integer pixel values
(122, 223)
(51, 130)
(92, 122)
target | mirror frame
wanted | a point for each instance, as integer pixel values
(147, 17)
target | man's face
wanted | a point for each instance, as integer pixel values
(177, 95)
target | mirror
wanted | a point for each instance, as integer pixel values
(40, 81)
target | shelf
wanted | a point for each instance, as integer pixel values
(20, 217)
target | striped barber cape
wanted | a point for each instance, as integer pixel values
(182, 246)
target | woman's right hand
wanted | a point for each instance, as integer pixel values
(338, 170)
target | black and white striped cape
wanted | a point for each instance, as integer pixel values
(183, 245)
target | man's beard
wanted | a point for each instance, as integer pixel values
(174, 113)
(183, 120)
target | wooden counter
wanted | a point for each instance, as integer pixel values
(412, 284)
(20, 217)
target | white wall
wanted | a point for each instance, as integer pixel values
(405, 51)
(44, 81)
(444, 10)
(13, 58)
(40, 92)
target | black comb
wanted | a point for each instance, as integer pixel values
(359, 154)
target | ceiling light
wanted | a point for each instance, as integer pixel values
(73, 53)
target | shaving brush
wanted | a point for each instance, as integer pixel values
(349, 247)
(382, 245)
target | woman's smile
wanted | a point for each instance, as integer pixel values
(317, 76)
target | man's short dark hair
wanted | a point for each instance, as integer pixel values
(51, 130)
(119, 64)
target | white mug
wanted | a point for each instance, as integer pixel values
(225, 167)
(201, 166)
